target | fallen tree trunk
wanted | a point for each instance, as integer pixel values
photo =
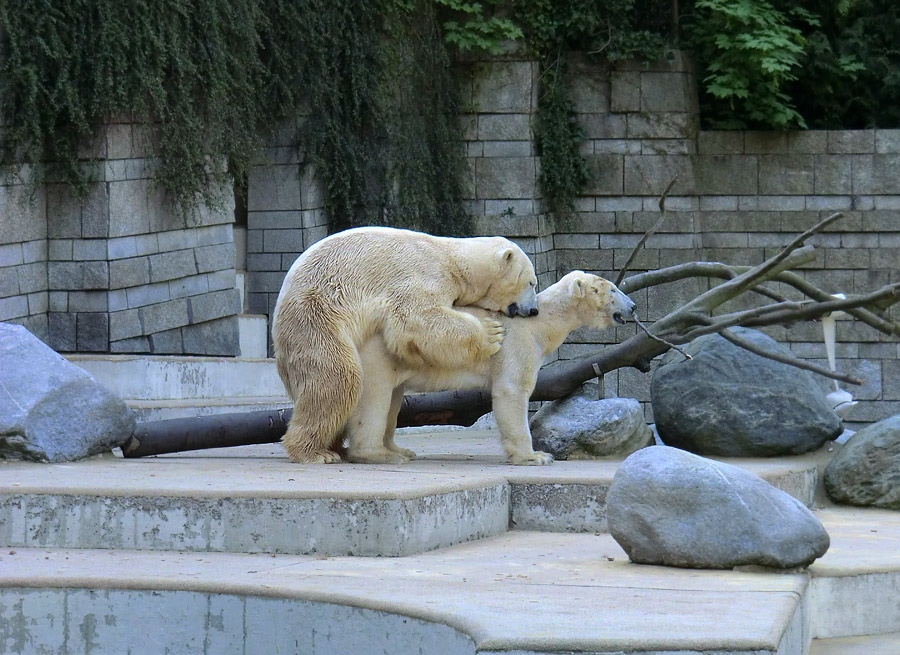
(680, 326)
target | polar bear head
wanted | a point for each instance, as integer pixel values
(599, 302)
(512, 284)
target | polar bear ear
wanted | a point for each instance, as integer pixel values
(507, 255)
(578, 288)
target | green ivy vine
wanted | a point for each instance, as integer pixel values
(371, 78)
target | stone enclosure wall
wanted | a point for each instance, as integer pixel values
(120, 273)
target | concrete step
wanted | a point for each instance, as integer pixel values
(158, 410)
(143, 377)
(521, 592)
(865, 645)
(253, 499)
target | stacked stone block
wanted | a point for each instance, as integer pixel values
(284, 217)
(23, 258)
(124, 271)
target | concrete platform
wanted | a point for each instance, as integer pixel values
(227, 551)
(253, 499)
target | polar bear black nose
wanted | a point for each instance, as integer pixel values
(533, 312)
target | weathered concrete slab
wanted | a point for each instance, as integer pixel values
(521, 592)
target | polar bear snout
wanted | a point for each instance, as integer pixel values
(624, 307)
(525, 305)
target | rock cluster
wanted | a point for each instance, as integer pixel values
(578, 428)
(866, 471)
(51, 410)
(729, 402)
(670, 507)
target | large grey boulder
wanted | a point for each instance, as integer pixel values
(866, 471)
(729, 402)
(51, 410)
(667, 506)
(578, 428)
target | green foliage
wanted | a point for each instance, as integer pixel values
(474, 31)
(212, 76)
(851, 70)
(605, 28)
(750, 52)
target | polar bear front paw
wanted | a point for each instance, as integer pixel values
(384, 456)
(537, 458)
(494, 335)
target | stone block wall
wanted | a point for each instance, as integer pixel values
(121, 270)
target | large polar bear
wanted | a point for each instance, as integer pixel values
(403, 288)
(578, 300)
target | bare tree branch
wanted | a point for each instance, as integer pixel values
(648, 233)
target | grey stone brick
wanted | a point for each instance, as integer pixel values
(312, 192)
(130, 272)
(603, 126)
(862, 174)
(765, 143)
(146, 244)
(504, 127)
(786, 174)
(833, 174)
(13, 307)
(670, 241)
(596, 222)
(851, 141)
(726, 174)
(859, 240)
(59, 301)
(63, 213)
(93, 332)
(164, 316)
(283, 240)
(650, 174)
(136, 345)
(65, 275)
(265, 262)
(505, 177)
(124, 324)
(129, 208)
(720, 143)
(667, 146)
(178, 240)
(511, 208)
(11, 254)
(884, 175)
(625, 91)
(576, 241)
(189, 286)
(34, 251)
(118, 300)
(257, 303)
(474, 149)
(665, 92)
(9, 282)
(503, 87)
(606, 175)
(32, 277)
(724, 240)
(221, 279)
(781, 203)
(274, 188)
(807, 141)
(61, 329)
(213, 234)
(507, 149)
(590, 90)
(121, 247)
(95, 213)
(89, 249)
(274, 220)
(624, 204)
(829, 203)
(661, 126)
(616, 147)
(887, 141)
(219, 337)
(88, 301)
(214, 258)
(147, 294)
(60, 249)
(38, 303)
(214, 305)
(167, 342)
(172, 265)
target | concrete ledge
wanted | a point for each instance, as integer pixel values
(517, 593)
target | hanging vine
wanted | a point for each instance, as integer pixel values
(211, 77)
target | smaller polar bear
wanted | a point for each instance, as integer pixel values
(578, 300)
